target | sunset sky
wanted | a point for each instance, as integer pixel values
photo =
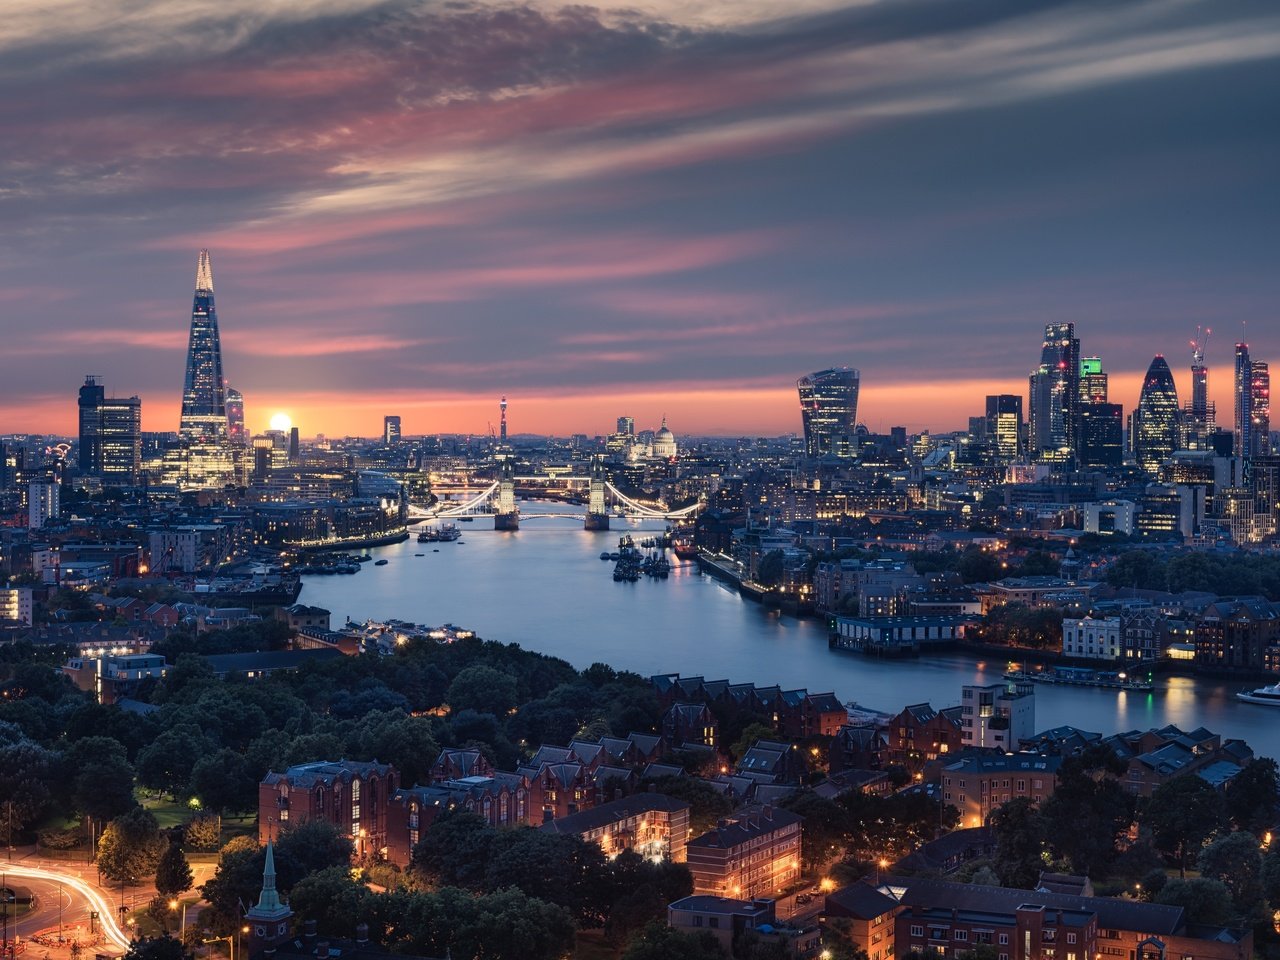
(641, 207)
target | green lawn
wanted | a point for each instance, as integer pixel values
(168, 813)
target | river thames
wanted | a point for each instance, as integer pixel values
(546, 588)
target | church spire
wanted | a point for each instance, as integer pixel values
(204, 273)
(269, 905)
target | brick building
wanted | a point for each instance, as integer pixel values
(690, 723)
(977, 785)
(753, 854)
(921, 734)
(650, 824)
(354, 796)
(954, 918)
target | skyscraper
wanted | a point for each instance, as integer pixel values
(110, 434)
(1055, 393)
(627, 426)
(1244, 402)
(206, 459)
(829, 410)
(502, 419)
(1004, 425)
(1155, 422)
(1093, 381)
(235, 417)
(1260, 408)
(204, 402)
(390, 429)
(1101, 435)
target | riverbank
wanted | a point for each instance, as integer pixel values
(727, 572)
(384, 540)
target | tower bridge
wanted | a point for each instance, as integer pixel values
(498, 500)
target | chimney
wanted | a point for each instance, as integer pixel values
(362, 933)
(308, 929)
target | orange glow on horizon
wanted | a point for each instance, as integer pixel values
(773, 410)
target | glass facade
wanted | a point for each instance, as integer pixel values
(204, 402)
(829, 409)
(110, 434)
(1004, 425)
(1155, 423)
(1101, 435)
(1055, 392)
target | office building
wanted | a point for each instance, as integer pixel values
(1093, 381)
(1055, 394)
(205, 460)
(829, 411)
(43, 498)
(502, 420)
(1243, 398)
(998, 715)
(627, 426)
(1004, 425)
(1101, 435)
(110, 434)
(235, 417)
(390, 430)
(1155, 422)
(294, 445)
(1260, 408)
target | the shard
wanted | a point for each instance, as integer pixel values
(204, 400)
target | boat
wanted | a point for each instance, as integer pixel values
(606, 556)
(437, 550)
(1083, 677)
(444, 533)
(1265, 695)
(419, 554)
(380, 563)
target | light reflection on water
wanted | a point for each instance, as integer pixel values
(546, 588)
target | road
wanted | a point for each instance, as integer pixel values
(61, 886)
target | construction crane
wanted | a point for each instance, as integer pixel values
(1199, 345)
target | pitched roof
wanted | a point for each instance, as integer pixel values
(614, 811)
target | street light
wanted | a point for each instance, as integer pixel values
(173, 905)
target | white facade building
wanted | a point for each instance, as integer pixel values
(997, 715)
(15, 604)
(42, 503)
(1093, 639)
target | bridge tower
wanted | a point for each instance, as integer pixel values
(597, 511)
(506, 514)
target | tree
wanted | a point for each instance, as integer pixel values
(1020, 841)
(334, 900)
(158, 948)
(561, 869)
(482, 689)
(1183, 813)
(826, 828)
(102, 778)
(509, 925)
(770, 569)
(454, 850)
(1087, 814)
(131, 846)
(306, 848)
(203, 832)
(223, 782)
(1206, 901)
(1235, 861)
(173, 873)
(1252, 796)
(166, 763)
(660, 942)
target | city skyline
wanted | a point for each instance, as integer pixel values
(599, 211)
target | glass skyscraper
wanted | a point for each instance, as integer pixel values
(1155, 422)
(1054, 408)
(1244, 402)
(235, 416)
(206, 460)
(1260, 408)
(1004, 425)
(110, 434)
(829, 410)
(204, 400)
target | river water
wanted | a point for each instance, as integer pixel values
(546, 588)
